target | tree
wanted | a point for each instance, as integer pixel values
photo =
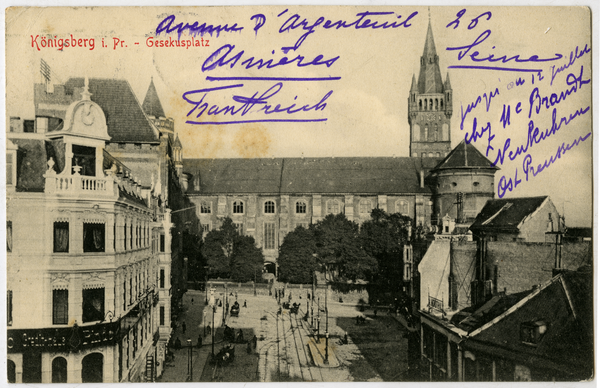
(247, 259)
(230, 255)
(383, 237)
(339, 247)
(297, 260)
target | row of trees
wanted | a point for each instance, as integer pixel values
(372, 252)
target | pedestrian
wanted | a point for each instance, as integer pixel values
(245, 303)
(199, 340)
(183, 326)
(236, 295)
(192, 301)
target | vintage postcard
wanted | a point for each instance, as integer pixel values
(299, 194)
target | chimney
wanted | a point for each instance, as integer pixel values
(422, 173)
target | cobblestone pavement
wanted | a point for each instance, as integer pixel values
(287, 347)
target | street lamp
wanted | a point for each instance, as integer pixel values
(189, 341)
(206, 267)
(212, 330)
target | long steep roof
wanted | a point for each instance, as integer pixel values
(381, 175)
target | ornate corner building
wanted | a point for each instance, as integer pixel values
(93, 262)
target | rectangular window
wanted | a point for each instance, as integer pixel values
(300, 207)
(162, 315)
(9, 169)
(9, 307)
(93, 237)
(205, 207)
(60, 307)
(239, 226)
(269, 235)
(93, 305)
(162, 278)
(205, 228)
(9, 235)
(162, 242)
(61, 237)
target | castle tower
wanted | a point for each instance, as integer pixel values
(461, 184)
(430, 106)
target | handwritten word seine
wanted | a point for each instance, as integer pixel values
(61, 43)
(474, 55)
(296, 21)
(194, 29)
(247, 103)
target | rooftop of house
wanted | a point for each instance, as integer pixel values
(506, 214)
(464, 156)
(125, 119)
(383, 175)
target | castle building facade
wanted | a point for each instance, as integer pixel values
(268, 198)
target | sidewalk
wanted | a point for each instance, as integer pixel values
(192, 315)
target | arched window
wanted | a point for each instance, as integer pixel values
(365, 206)
(426, 134)
(435, 132)
(238, 207)
(437, 107)
(430, 154)
(333, 207)
(269, 207)
(59, 370)
(91, 368)
(205, 207)
(11, 372)
(420, 104)
(300, 207)
(402, 207)
(442, 104)
(430, 104)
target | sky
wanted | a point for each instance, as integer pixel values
(365, 95)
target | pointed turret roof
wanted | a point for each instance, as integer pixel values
(177, 143)
(447, 85)
(464, 156)
(152, 105)
(413, 85)
(430, 77)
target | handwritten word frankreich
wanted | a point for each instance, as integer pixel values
(40, 42)
(186, 43)
(247, 105)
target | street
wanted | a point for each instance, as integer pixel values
(287, 347)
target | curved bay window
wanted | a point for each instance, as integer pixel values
(93, 237)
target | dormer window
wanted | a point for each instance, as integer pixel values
(531, 333)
